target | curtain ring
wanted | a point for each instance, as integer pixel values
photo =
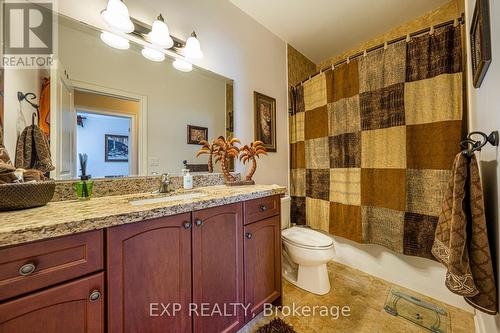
(333, 67)
(385, 45)
(348, 60)
(408, 38)
(455, 22)
(431, 31)
(365, 53)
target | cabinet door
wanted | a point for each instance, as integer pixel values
(65, 308)
(149, 267)
(262, 264)
(218, 268)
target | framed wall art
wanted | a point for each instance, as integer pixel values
(196, 134)
(116, 148)
(480, 36)
(265, 121)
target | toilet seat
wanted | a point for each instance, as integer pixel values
(307, 238)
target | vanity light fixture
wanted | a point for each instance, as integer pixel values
(115, 41)
(117, 17)
(182, 65)
(160, 34)
(152, 54)
(192, 50)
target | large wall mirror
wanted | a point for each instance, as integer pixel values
(130, 115)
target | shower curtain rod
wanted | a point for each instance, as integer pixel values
(460, 20)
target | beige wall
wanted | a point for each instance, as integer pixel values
(449, 11)
(299, 66)
(484, 116)
(98, 102)
(235, 46)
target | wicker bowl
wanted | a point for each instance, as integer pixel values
(26, 195)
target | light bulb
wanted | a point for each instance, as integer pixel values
(192, 50)
(116, 16)
(152, 54)
(115, 41)
(182, 65)
(160, 35)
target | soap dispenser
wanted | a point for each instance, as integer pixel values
(188, 180)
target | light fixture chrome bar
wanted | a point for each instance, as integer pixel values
(142, 30)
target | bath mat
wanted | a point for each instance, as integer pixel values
(425, 314)
(276, 326)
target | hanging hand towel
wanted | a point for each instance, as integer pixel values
(32, 151)
(6, 168)
(461, 240)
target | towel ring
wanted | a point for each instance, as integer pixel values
(470, 145)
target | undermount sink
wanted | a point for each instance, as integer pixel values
(169, 198)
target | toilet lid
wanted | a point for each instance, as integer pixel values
(307, 237)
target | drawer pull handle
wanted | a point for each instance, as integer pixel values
(248, 235)
(199, 222)
(187, 225)
(95, 295)
(263, 208)
(27, 269)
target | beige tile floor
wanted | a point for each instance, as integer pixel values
(365, 295)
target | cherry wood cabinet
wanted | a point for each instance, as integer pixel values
(262, 208)
(149, 266)
(202, 263)
(262, 264)
(28, 267)
(218, 267)
(76, 307)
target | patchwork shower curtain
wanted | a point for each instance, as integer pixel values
(373, 142)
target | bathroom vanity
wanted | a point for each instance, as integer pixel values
(148, 268)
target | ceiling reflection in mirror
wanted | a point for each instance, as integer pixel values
(128, 110)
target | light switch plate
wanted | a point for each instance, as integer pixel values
(154, 162)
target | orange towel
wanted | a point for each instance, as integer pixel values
(45, 107)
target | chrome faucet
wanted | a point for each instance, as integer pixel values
(164, 183)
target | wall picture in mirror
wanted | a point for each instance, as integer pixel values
(196, 134)
(116, 148)
(265, 120)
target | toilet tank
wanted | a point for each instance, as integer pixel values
(285, 212)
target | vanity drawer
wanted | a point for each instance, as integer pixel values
(259, 209)
(25, 268)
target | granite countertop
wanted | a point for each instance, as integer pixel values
(68, 217)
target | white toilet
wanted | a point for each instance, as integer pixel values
(305, 254)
